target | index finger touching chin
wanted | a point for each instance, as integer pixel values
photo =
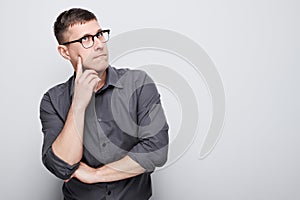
(79, 66)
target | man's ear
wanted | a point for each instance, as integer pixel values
(63, 51)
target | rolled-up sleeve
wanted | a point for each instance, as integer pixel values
(152, 149)
(52, 124)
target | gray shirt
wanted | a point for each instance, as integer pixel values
(124, 117)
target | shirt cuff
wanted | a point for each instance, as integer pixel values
(150, 160)
(57, 166)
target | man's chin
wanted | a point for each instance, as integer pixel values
(98, 68)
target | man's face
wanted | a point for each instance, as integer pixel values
(95, 57)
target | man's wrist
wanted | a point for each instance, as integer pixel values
(99, 174)
(77, 108)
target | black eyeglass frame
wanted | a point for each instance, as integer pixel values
(93, 38)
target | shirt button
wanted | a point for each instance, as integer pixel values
(104, 145)
(108, 192)
(99, 119)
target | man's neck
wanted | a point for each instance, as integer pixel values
(101, 83)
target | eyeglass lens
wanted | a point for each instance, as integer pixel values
(88, 41)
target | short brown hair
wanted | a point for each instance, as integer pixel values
(69, 18)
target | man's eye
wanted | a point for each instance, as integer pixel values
(86, 38)
(99, 34)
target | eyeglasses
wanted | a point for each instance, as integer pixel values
(87, 41)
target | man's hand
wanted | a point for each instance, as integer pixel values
(85, 84)
(85, 174)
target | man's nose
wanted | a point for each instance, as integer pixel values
(98, 44)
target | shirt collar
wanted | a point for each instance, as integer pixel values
(112, 77)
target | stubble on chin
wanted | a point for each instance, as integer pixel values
(99, 66)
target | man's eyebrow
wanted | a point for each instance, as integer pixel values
(87, 34)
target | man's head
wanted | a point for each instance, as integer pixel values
(71, 30)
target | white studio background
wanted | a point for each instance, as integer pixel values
(253, 45)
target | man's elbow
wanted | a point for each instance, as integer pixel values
(58, 167)
(160, 157)
(156, 159)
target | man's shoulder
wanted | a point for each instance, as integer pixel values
(130, 73)
(60, 88)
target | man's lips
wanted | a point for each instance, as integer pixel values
(100, 55)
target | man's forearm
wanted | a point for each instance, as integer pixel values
(68, 144)
(118, 170)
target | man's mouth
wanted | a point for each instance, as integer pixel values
(100, 55)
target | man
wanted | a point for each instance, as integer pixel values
(104, 129)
